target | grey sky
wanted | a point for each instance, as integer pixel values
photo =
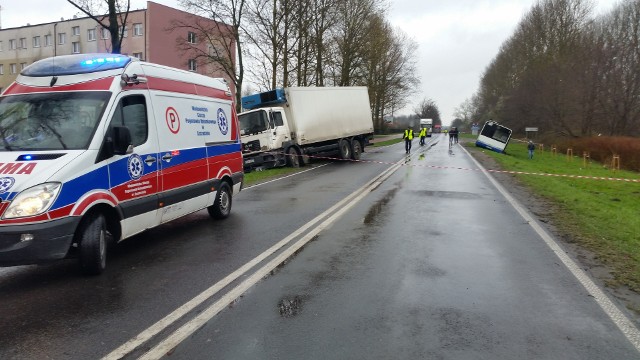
(457, 39)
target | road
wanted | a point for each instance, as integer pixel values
(423, 258)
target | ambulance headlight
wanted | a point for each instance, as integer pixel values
(33, 201)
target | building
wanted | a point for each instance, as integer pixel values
(148, 35)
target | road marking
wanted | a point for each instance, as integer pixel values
(179, 335)
(619, 319)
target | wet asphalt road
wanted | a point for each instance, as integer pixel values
(432, 264)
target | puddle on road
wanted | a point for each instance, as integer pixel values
(290, 307)
(448, 194)
(377, 208)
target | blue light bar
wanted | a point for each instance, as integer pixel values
(76, 64)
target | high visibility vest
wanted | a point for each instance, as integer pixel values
(423, 132)
(408, 134)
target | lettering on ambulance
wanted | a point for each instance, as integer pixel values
(17, 168)
(200, 120)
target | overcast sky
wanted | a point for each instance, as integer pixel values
(456, 39)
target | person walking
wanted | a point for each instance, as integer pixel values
(531, 147)
(408, 136)
(423, 135)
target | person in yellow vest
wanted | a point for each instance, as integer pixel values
(423, 135)
(408, 136)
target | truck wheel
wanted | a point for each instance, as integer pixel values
(345, 149)
(221, 207)
(93, 244)
(293, 158)
(356, 149)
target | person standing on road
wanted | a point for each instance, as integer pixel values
(423, 135)
(408, 136)
(531, 147)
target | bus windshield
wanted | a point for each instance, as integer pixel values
(50, 121)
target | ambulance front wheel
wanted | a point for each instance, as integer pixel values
(221, 207)
(93, 244)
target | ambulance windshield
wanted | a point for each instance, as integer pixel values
(50, 121)
(253, 122)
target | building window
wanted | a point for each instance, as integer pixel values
(124, 31)
(91, 35)
(76, 30)
(47, 40)
(137, 29)
(138, 55)
(105, 33)
(193, 66)
(23, 65)
(76, 47)
(62, 38)
(191, 37)
(36, 41)
(12, 44)
(12, 68)
(23, 43)
(1, 69)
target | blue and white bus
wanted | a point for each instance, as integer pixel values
(494, 137)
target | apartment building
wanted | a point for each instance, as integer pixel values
(148, 35)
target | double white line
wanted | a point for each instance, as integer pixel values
(309, 230)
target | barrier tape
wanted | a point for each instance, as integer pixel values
(470, 169)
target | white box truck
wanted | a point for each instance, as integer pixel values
(427, 123)
(288, 126)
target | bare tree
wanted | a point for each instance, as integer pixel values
(224, 37)
(427, 109)
(109, 14)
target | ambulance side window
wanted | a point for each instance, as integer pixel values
(132, 113)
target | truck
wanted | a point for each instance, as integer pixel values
(291, 126)
(427, 123)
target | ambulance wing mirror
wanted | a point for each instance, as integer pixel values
(122, 143)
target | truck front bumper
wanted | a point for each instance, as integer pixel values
(36, 243)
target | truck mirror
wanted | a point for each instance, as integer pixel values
(122, 143)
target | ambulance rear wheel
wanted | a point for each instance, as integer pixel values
(345, 149)
(221, 207)
(93, 244)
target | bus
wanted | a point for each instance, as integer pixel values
(494, 137)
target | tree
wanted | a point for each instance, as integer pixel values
(224, 37)
(115, 18)
(427, 109)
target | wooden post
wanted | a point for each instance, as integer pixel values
(586, 159)
(570, 154)
(541, 147)
(554, 150)
(615, 162)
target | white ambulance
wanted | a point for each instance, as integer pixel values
(99, 147)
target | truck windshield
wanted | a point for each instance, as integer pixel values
(50, 121)
(253, 123)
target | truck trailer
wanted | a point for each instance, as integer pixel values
(289, 126)
(428, 124)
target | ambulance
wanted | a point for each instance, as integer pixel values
(96, 148)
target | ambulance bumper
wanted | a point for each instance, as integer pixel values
(36, 243)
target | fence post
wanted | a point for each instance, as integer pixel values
(554, 150)
(615, 163)
(570, 154)
(586, 159)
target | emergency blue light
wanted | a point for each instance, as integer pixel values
(28, 157)
(76, 64)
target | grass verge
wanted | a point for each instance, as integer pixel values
(601, 215)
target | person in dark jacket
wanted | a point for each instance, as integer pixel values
(531, 147)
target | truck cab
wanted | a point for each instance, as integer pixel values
(262, 130)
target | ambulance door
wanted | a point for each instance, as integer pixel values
(183, 124)
(134, 177)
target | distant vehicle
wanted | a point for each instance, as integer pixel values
(428, 124)
(288, 125)
(437, 128)
(494, 137)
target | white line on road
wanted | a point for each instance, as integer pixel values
(619, 319)
(179, 335)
